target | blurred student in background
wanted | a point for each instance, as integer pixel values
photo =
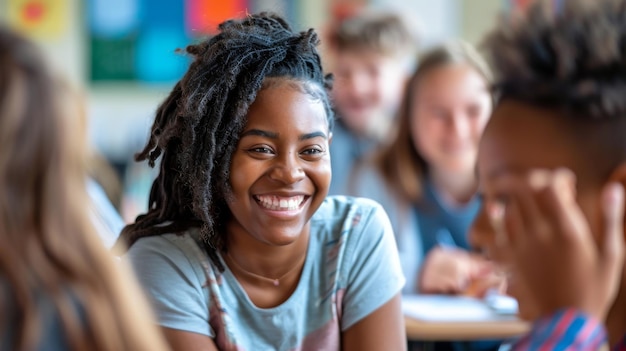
(59, 288)
(372, 56)
(425, 177)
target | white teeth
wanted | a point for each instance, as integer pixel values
(276, 203)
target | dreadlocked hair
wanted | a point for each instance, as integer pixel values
(197, 127)
(568, 55)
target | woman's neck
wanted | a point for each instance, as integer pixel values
(269, 274)
(257, 257)
(455, 189)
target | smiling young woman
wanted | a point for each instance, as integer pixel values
(241, 247)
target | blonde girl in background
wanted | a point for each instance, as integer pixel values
(425, 177)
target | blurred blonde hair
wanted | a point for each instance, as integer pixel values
(400, 164)
(48, 247)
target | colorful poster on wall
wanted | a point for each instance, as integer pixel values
(162, 33)
(42, 19)
(136, 40)
(519, 5)
(113, 59)
(114, 18)
(114, 26)
(203, 16)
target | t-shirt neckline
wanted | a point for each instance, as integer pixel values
(300, 288)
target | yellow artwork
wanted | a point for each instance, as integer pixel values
(44, 19)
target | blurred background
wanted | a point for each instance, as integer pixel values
(122, 53)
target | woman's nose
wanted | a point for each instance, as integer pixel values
(459, 125)
(287, 170)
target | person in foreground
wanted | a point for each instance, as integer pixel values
(241, 249)
(552, 169)
(59, 287)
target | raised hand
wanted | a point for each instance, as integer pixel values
(565, 258)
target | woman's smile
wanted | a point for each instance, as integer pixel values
(282, 206)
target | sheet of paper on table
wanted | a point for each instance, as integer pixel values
(445, 308)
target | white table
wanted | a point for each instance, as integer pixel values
(450, 318)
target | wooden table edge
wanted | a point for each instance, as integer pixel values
(463, 331)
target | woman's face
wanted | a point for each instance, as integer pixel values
(451, 105)
(280, 171)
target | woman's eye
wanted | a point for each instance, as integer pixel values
(261, 150)
(312, 151)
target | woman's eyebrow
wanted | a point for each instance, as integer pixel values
(318, 134)
(261, 133)
(273, 135)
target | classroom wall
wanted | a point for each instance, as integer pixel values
(120, 113)
(64, 45)
(478, 17)
(469, 19)
(434, 20)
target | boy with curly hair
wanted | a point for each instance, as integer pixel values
(552, 168)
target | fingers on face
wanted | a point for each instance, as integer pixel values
(539, 206)
(482, 233)
(559, 204)
(612, 240)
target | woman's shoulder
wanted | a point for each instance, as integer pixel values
(341, 214)
(168, 253)
(341, 206)
(165, 243)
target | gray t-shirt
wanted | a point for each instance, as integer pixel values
(351, 269)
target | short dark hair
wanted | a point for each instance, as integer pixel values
(197, 128)
(569, 57)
